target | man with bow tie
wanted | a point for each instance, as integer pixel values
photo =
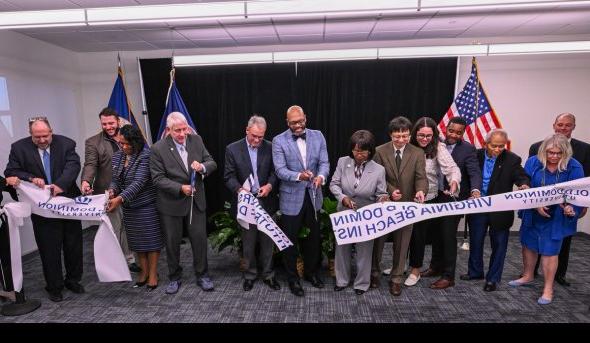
(301, 163)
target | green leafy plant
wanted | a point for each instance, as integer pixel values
(227, 231)
(328, 239)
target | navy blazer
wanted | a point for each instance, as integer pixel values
(25, 163)
(238, 167)
(507, 172)
(133, 183)
(464, 155)
(581, 153)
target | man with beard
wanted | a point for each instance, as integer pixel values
(97, 172)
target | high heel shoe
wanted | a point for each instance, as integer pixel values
(151, 288)
(140, 283)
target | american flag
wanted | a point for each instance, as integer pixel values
(473, 105)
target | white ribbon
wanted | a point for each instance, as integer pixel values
(379, 219)
(110, 263)
(251, 212)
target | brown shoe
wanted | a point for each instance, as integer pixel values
(395, 289)
(374, 281)
(442, 284)
(430, 273)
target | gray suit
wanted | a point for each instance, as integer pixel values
(168, 175)
(238, 168)
(98, 153)
(372, 185)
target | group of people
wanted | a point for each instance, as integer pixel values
(156, 194)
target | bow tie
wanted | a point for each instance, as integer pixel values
(302, 136)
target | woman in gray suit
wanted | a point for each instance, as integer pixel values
(358, 181)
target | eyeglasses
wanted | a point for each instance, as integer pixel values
(298, 122)
(554, 153)
(423, 136)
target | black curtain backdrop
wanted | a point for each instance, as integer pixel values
(337, 97)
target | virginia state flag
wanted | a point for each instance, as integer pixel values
(174, 103)
(120, 103)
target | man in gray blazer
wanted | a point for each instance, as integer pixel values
(301, 163)
(97, 172)
(172, 162)
(405, 174)
(253, 156)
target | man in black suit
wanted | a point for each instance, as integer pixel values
(253, 156)
(565, 123)
(51, 160)
(501, 170)
(444, 242)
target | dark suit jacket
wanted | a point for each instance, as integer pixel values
(98, 153)
(169, 174)
(464, 155)
(507, 173)
(581, 153)
(238, 167)
(133, 183)
(25, 163)
(412, 174)
(6, 188)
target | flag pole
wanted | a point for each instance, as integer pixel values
(144, 105)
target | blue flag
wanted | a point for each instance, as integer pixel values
(174, 103)
(120, 103)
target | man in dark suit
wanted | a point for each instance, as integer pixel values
(172, 162)
(501, 170)
(405, 175)
(253, 156)
(97, 172)
(301, 163)
(51, 160)
(565, 123)
(444, 242)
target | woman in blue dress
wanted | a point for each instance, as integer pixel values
(543, 229)
(132, 188)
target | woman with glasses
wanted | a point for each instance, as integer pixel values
(439, 163)
(543, 229)
(132, 188)
(357, 181)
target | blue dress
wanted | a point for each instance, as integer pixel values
(140, 215)
(544, 235)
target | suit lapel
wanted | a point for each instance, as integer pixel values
(175, 154)
(366, 175)
(349, 173)
(37, 159)
(246, 156)
(407, 155)
(389, 159)
(293, 146)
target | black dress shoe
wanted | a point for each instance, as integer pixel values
(467, 277)
(74, 287)
(359, 291)
(56, 296)
(295, 288)
(490, 287)
(151, 287)
(273, 284)
(315, 281)
(338, 288)
(140, 283)
(562, 281)
(248, 285)
(134, 268)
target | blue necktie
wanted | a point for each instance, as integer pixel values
(47, 166)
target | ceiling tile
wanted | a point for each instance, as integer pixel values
(298, 29)
(6, 7)
(574, 29)
(186, 44)
(251, 31)
(157, 35)
(562, 17)
(304, 39)
(528, 29)
(160, 2)
(129, 46)
(357, 26)
(392, 35)
(212, 32)
(37, 5)
(500, 23)
(56, 38)
(400, 24)
(351, 37)
(438, 34)
(452, 22)
(260, 40)
(104, 3)
(115, 36)
(214, 43)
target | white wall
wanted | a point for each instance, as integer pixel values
(42, 79)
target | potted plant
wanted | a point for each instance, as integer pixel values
(227, 233)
